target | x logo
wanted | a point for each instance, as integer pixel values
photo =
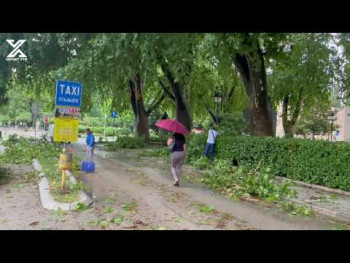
(16, 49)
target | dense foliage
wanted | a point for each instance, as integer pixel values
(316, 162)
(257, 182)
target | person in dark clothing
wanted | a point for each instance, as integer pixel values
(178, 156)
(165, 116)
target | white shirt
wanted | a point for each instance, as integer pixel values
(51, 130)
(212, 134)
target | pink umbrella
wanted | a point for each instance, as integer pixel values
(172, 125)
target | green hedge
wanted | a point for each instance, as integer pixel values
(109, 130)
(126, 143)
(316, 162)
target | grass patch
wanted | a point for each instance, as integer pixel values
(20, 150)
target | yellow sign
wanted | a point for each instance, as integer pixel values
(65, 130)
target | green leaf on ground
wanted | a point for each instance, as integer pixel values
(178, 219)
(118, 219)
(340, 227)
(81, 207)
(207, 209)
(108, 209)
(59, 212)
(110, 200)
(129, 206)
(333, 197)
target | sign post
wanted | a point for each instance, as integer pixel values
(46, 122)
(35, 112)
(68, 103)
(114, 114)
(66, 122)
(106, 116)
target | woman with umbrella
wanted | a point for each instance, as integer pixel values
(176, 145)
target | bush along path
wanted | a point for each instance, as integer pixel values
(316, 162)
(145, 177)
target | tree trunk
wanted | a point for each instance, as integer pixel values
(141, 116)
(181, 108)
(211, 114)
(288, 125)
(251, 67)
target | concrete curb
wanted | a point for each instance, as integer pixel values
(314, 186)
(46, 198)
(326, 212)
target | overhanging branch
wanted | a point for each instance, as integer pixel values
(156, 104)
(166, 90)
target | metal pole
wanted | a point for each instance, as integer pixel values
(113, 129)
(35, 123)
(105, 126)
(332, 131)
(217, 112)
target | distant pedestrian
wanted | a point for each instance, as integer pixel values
(51, 132)
(177, 146)
(90, 144)
(165, 116)
(209, 150)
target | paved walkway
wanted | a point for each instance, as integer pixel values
(151, 186)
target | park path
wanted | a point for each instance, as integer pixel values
(139, 194)
(142, 180)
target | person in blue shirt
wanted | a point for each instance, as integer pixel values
(90, 144)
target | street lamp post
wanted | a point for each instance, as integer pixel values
(217, 99)
(332, 118)
(313, 122)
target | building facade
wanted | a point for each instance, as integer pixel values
(341, 124)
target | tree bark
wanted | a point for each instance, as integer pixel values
(212, 115)
(141, 116)
(289, 125)
(166, 91)
(251, 67)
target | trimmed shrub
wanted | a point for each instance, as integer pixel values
(317, 162)
(195, 146)
(126, 143)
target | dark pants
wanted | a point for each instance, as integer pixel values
(209, 150)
